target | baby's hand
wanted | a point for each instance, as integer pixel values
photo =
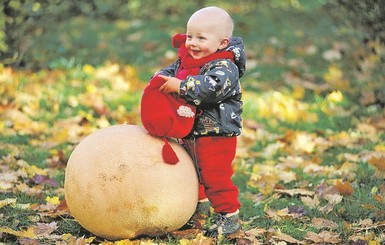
(171, 85)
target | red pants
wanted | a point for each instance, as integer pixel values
(215, 156)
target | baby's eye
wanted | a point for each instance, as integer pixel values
(201, 38)
(189, 36)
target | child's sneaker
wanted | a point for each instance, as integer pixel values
(225, 224)
(203, 209)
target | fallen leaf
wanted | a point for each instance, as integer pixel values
(256, 232)
(185, 234)
(304, 142)
(53, 200)
(324, 237)
(29, 233)
(311, 202)
(333, 198)
(39, 179)
(297, 211)
(293, 192)
(198, 240)
(378, 162)
(321, 223)
(335, 77)
(345, 189)
(43, 230)
(366, 222)
(7, 201)
(286, 238)
(378, 122)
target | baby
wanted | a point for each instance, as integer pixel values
(206, 75)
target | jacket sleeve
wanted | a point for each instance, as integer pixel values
(170, 70)
(218, 81)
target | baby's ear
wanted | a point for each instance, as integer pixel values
(224, 42)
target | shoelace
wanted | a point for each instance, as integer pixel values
(221, 220)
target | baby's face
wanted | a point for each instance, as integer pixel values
(204, 38)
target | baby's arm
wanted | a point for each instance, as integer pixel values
(170, 70)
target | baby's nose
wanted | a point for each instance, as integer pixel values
(192, 42)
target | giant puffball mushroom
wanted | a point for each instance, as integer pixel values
(117, 185)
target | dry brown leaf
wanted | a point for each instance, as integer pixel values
(43, 230)
(366, 222)
(293, 192)
(325, 237)
(265, 179)
(256, 232)
(186, 234)
(286, 238)
(368, 131)
(293, 79)
(323, 223)
(287, 176)
(367, 98)
(345, 189)
(279, 214)
(311, 202)
(378, 122)
(327, 208)
(333, 198)
(378, 162)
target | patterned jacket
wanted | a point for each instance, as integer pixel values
(215, 91)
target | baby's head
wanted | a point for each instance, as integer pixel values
(208, 30)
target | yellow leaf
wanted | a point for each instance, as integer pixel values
(124, 242)
(88, 69)
(304, 142)
(373, 242)
(91, 88)
(7, 201)
(53, 200)
(29, 233)
(33, 170)
(298, 92)
(283, 212)
(335, 77)
(264, 179)
(380, 147)
(22, 206)
(335, 97)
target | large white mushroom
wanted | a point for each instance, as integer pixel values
(117, 185)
